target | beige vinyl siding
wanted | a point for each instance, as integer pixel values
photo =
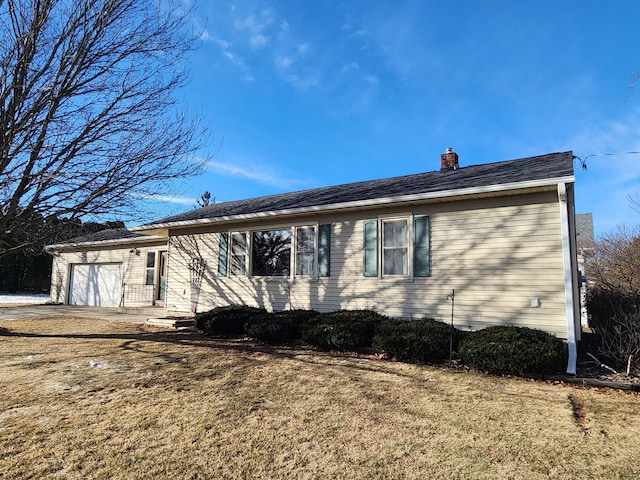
(496, 253)
(133, 270)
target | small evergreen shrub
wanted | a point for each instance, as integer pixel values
(280, 327)
(510, 349)
(415, 341)
(342, 330)
(229, 320)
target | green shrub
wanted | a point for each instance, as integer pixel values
(415, 341)
(342, 330)
(280, 327)
(510, 349)
(230, 320)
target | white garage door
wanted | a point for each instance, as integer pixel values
(96, 284)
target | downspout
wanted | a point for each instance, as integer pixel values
(568, 278)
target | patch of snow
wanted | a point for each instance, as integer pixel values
(26, 298)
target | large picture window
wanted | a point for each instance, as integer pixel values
(271, 253)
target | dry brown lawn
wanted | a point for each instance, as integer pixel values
(83, 398)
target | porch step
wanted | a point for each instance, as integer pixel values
(171, 322)
(155, 311)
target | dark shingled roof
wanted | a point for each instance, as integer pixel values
(554, 165)
(112, 234)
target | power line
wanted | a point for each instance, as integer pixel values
(583, 160)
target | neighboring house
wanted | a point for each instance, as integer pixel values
(586, 242)
(502, 235)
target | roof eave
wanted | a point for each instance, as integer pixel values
(461, 192)
(102, 243)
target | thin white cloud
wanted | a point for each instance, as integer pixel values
(171, 199)
(254, 39)
(258, 41)
(283, 62)
(349, 67)
(613, 173)
(234, 58)
(255, 173)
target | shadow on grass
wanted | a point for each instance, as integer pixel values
(302, 353)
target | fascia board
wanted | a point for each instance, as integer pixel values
(102, 243)
(504, 187)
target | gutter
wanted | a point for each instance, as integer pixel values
(548, 182)
(101, 243)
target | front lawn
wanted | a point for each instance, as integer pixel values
(83, 398)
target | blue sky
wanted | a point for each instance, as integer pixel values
(303, 94)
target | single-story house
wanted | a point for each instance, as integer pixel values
(500, 235)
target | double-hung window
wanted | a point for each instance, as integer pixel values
(396, 247)
(239, 253)
(150, 269)
(306, 251)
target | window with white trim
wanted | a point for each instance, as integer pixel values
(396, 247)
(239, 253)
(271, 253)
(150, 269)
(306, 251)
(301, 250)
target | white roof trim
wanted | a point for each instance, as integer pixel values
(367, 203)
(101, 243)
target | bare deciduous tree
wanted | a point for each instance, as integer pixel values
(613, 262)
(90, 122)
(613, 299)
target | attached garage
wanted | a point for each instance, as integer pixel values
(96, 284)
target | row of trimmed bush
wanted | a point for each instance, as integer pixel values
(501, 349)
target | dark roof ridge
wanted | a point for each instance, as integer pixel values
(539, 167)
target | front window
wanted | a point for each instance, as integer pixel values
(306, 251)
(239, 253)
(395, 247)
(150, 268)
(271, 253)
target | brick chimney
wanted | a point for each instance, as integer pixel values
(448, 160)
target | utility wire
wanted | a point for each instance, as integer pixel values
(583, 160)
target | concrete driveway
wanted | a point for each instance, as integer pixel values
(135, 315)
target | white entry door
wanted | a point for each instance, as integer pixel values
(96, 284)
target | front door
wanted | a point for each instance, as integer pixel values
(162, 271)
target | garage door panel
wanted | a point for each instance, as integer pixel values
(96, 284)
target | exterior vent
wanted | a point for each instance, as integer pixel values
(448, 160)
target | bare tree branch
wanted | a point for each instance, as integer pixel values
(90, 123)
